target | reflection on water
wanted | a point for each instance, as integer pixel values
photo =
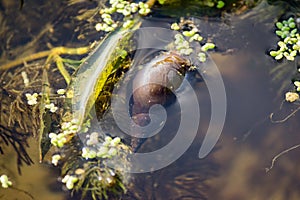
(236, 167)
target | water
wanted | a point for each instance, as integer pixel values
(235, 169)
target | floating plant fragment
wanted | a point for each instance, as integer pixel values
(291, 97)
(5, 183)
(31, 98)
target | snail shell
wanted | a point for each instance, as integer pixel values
(157, 80)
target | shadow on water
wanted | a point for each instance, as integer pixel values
(235, 169)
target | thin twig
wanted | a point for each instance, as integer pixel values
(284, 119)
(280, 154)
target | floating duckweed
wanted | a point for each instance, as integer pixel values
(279, 25)
(70, 181)
(189, 33)
(175, 27)
(68, 129)
(279, 56)
(106, 16)
(107, 149)
(108, 21)
(184, 39)
(127, 23)
(297, 84)
(289, 46)
(187, 51)
(112, 152)
(31, 98)
(125, 8)
(134, 7)
(115, 141)
(55, 159)
(87, 153)
(61, 91)
(5, 183)
(57, 140)
(207, 46)
(51, 107)
(75, 121)
(196, 37)
(98, 27)
(220, 4)
(144, 8)
(126, 11)
(202, 57)
(102, 152)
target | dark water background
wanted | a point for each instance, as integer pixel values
(236, 167)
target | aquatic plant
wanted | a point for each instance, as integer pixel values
(87, 166)
(188, 37)
(289, 48)
(125, 8)
(289, 45)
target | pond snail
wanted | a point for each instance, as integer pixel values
(155, 84)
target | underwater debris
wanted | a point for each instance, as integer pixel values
(291, 96)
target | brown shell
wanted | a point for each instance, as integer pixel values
(158, 78)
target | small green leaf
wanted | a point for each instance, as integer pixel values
(293, 53)
(294, 31)
(296, 47)
(189, 33)
(279, 56)
(208, 46)
(281, 44)
(293, 40)
(286, 40)
(274, 53)
(175, 27)
(291, 19)
(285, 28)
(292, 25)
(161, 1)
(279, 33)
(220, 4)
(279, 25)
(202, 57)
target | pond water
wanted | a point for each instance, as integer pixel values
(236, 168)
